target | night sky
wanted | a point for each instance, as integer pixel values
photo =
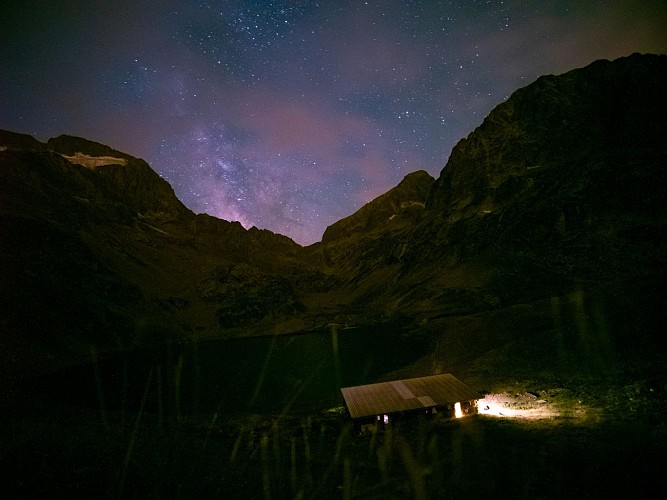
(290, 115)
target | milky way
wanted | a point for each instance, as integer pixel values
(290, 115)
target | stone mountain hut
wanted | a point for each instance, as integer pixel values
(373, 404)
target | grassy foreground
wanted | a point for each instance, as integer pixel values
(598, 441)
(580, 380)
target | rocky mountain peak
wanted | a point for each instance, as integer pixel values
(14, 141)
(390, 210)
(112, 176)
(562, 123)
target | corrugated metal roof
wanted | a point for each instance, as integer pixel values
(404, 395)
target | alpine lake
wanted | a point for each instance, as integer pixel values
(276, 375)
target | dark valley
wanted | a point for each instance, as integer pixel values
(141, 343)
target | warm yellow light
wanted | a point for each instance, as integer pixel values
(505, 405)
(457, 410)
(490, 406)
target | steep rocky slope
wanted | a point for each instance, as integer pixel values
(562, 185)
(569, 170)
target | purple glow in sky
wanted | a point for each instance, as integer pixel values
(290, 115)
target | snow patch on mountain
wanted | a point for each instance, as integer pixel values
(92, 162)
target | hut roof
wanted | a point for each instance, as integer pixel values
(405, 395)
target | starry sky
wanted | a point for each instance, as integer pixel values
(290, 115)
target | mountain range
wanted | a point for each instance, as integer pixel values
(559, 192)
